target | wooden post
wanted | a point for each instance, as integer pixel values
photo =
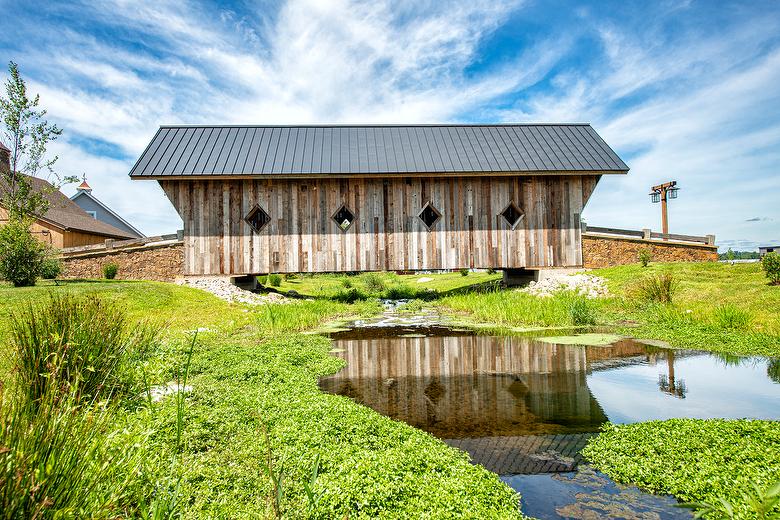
(646, 233)
(661, 191)
(664, 216)
(710, 240)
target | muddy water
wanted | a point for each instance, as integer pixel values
(524, 409)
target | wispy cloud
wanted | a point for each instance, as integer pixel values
(681, 90)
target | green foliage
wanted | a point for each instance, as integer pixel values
(516, 308)
(655, 288)
(51, 267)
(289, 276)
(27, 134)
(464, 272)
(262, 279)
(581, 311)
(644, 257)
(346, 283)
(491, 271)
(22, 256)
(274, 280)
(82, 344)
(729, 316)
(764, 504)
(110, 270)
(56, 460)
(739, 255)
(771, 266)
(350, 296)
(373, 282)
(700, 461)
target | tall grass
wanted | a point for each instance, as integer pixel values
(516, 308)
(655, 288)
(297, 316)
(729, 316)
(74, 342)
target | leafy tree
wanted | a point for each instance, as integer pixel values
(771, 265)
(27, 133)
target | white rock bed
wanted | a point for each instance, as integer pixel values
(227, 291)
(585, 284)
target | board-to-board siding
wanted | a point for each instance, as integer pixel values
(387, 234)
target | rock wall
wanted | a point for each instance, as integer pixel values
(601, 251)
(152, 262)
(166, 262)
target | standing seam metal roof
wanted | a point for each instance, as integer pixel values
(375, 149)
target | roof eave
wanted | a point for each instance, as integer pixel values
(233, 176)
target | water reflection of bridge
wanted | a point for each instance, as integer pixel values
(506, 400)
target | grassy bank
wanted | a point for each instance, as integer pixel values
(716, 307)
(255, 403)
(694, 460)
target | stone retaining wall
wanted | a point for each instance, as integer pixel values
(161, 262)
(601, 251)
(165, 262)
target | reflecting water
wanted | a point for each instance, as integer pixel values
(524, 409)
(476, 386)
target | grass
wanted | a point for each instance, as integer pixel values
(694, 460)
(200, 454)
(512, 308)
(374, 284)
(716, 307)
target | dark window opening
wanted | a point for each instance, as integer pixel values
(257, 219)
(512, 214)
(344, 218)
(429, 215)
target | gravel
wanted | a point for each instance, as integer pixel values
(225, 290)
(584, 284)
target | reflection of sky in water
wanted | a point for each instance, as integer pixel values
(712, 389)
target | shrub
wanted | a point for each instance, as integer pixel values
(21, 254)
(659, 288)
(350, 295)
(581, 311)
(730, 316)
(110, 270)
(373, 282)
(290, 276)
(51, 268)
(346, 283)
(771, 265)
(262, 280)
(464, 272)
(400, 292)
(74, 342)
(644, 257)
(274, 280)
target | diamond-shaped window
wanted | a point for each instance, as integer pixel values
(429, 215)
(257, 218)
(344, 218)
(512, 214)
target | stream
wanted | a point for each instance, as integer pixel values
(524, 408)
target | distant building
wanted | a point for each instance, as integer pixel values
(768, 249)
(97, 210)
(64, 224)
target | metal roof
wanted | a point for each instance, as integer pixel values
(375, 149)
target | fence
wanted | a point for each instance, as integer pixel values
(649, 235)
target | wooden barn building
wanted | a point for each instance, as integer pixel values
(278, 199)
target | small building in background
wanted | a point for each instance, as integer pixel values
(64, 224)
(768, 249)
(86, 200)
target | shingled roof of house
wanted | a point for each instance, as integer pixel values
(66, 214)
(554, 149)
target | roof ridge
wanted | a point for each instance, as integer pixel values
(373, 125)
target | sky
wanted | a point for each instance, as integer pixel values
(681, 90)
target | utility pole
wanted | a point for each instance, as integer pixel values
(661, 193)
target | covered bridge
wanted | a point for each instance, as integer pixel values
(260, 199)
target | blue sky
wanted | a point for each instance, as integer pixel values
(684, 90)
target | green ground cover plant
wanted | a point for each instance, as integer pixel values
(694, 460)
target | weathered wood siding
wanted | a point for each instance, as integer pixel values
(387, 233)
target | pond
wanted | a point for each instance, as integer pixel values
(524, 408)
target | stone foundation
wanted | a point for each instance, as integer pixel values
(601, 251)
(151, 262)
